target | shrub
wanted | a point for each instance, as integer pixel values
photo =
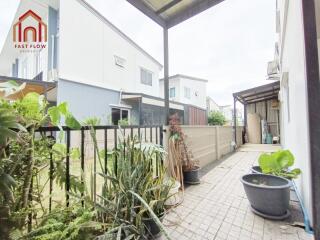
(216, 118)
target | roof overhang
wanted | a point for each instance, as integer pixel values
(258, 94)
(169, 13)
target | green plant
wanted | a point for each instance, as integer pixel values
(279, 164)
(64, 223)
(136, 189)
(216, 118)
(123, 122)
(24, 154)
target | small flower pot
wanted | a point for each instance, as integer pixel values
(152, 227)
(268, 195)
(191, 176)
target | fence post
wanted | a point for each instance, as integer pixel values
(218, 142)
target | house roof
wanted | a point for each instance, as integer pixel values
(116, 29)
(258, 94)
(168, 13)
(185, 76)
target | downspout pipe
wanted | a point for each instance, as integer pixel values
(306, 218)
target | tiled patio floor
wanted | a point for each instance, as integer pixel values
(218, 208)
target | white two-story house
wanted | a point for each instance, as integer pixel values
(186, 89)
(93, 65)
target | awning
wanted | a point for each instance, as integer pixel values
(168, 13)
(258, 94)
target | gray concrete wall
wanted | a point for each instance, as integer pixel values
(87, 101)
(208, 143)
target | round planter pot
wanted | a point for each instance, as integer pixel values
(152, 228)
(174, 193)
(268, 195)
(192, 176)
(256, 169)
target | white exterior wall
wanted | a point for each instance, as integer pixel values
(294, 133)
(27, 57)
(212, 105)
(87, 49)
(173, 83)
(196, 86)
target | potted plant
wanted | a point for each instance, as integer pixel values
(190, 167)
(279, 164)
(156, 196)
(268, 195)
(268, 189)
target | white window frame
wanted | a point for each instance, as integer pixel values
(172, 89)
(149, 72)
(187, 92)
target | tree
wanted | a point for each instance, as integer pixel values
(216, 118)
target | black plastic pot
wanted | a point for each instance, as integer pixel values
(268, 195)
(256, 169)
(192, 176)
(152, 227)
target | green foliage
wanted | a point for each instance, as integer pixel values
(278, 164)
(74, 223)
(8, 125)
(216, 118)
(139, 176)
(135, 185)
(123, 122)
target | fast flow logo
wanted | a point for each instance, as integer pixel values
(30, 32)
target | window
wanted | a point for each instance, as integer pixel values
(187, 92)
(118, 114)
(172, 92)
(146, 77)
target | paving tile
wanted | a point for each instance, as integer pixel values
(218, 208)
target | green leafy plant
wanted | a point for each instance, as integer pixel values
(216, 118)
(135, 190)
(279, 164)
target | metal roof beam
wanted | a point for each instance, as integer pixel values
(273, 86)
(168, 6)
(262, 100)
(148, 11)
(259, 97)
(262, 92)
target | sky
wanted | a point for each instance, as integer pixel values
(229, 44)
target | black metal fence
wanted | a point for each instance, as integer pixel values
(108, 139)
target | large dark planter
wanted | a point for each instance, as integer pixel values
(191, 176)
(268, 195)
(152, 227)
(256, 169)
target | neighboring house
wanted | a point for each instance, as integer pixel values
(212, 105)
(92, 63)
(294, 64)
(228, 113)
(190, 91)
(187, 90)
